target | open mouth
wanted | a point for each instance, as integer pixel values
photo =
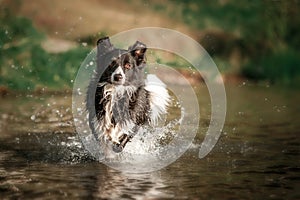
(118, 77)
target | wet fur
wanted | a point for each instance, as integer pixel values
(116, 109)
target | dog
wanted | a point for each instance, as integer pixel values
(120, 100)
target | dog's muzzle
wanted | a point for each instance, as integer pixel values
(118, 76)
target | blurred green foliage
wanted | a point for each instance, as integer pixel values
(280, 67)
(25, 65)
(265, 32)
(91, 40)
(264, 35)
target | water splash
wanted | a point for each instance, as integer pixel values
(150, 144)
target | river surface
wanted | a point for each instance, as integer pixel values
(256, 157)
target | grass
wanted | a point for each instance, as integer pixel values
(280, 68)
(25, 65)
(42, 70)
(265, 33)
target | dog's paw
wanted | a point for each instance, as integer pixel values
(117, 148)
(123, 141)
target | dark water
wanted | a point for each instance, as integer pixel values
(257, 156)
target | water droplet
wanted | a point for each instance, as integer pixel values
(78, 91)
(79, 109)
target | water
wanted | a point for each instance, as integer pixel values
(257, 156)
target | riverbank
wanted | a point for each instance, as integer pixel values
(192, 78)
(44, 53)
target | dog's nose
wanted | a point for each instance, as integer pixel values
(118, 77)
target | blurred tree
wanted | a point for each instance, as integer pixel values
(263, 24)
(24, 64)
(261, 28)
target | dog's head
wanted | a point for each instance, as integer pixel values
(125, 67)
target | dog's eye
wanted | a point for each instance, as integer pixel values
(127, 66)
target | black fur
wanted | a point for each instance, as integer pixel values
(135, 107)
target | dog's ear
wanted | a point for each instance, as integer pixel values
(104, 49)
(104, 46)
(138, 51)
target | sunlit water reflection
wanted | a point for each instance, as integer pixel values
(257, 156)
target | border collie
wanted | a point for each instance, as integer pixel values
(120, 100)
